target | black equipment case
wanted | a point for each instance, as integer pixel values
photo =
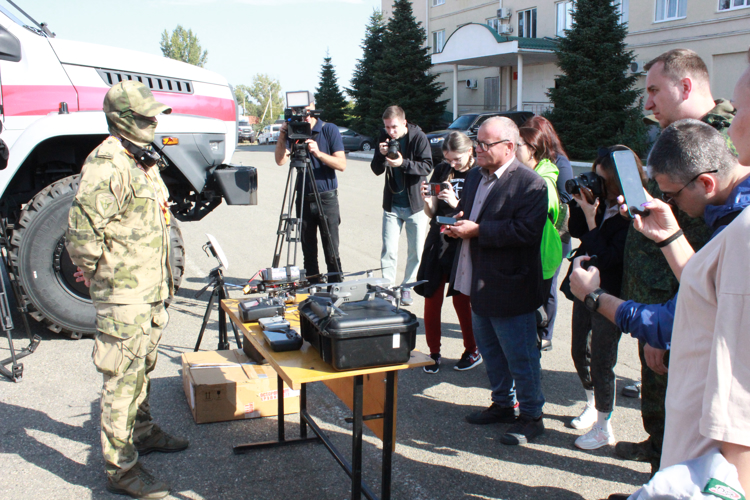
(372, 333)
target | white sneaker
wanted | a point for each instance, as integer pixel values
(586, 419)
(595, 439)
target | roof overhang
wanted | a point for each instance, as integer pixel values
(480, 45)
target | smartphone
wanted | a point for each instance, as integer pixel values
(435, 188)
(445, 221)
(630, 183)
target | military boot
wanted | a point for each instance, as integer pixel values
(160, 441)
(138, 483)
(638, 452)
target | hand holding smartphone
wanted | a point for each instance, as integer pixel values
(630, 183)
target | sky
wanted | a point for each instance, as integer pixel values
(286, 39)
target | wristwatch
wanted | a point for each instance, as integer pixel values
(591, 301)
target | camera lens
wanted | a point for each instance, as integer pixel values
(572, 186)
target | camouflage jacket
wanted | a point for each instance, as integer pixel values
(117, 232)
(647, 277)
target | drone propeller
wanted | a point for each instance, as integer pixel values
(346, 275)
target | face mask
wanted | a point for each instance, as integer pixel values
(138, 130)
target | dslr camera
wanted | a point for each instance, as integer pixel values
(295, 114)
(393, 149)
(587, 182)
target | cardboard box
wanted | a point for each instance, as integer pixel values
(226, 385)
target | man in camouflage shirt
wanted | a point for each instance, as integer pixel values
(678, 87)
(118, 236)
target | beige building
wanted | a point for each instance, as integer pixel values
(498, 55)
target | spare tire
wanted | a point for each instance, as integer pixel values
(44, 269)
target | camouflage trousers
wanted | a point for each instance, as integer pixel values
(653, 413)
(125, 351)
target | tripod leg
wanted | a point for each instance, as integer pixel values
(223, 340)
(237, 337)
(205, 319)
(325, 231)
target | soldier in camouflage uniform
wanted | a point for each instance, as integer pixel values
(118, 236)
(647, 277)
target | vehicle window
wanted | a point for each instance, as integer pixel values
(462, 122)
(347, 132)
(276, 129)
(244, 124)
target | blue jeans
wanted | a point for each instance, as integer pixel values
(508, 346)
(416, 225)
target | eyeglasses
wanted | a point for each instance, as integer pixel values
(670, 198)
(483, 146)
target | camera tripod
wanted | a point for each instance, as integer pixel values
(15, 373)
(219, 291)
(289, 229)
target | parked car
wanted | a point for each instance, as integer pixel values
(354, 141)
(245, 131)
(270, 134)
(469, 124)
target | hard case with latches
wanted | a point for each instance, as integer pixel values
(371, 333)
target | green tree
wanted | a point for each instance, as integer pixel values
(245, 101)
(364, 119)
(595, 101)
(266, 92)
(402, 75)
(184, 46)
(328, 96)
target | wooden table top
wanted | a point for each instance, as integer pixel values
(305, 365)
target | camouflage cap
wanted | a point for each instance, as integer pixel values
(134, 96)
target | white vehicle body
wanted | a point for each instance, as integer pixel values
(270, 134)
(51, 98)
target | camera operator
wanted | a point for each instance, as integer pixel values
(678, 87)
(697, 172)
(118, 236)
(595, 220)
(405, 167)
(326, 153)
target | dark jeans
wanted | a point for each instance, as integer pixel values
(311, 221)
(653, 394)
(550, 307)
(594, 342)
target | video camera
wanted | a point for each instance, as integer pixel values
(295, 115)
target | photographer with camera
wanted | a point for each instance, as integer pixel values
(325, 150)
(439, 251)
(404, 155)
(595, 220)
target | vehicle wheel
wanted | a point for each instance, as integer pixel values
(366, 146)
(45, 270)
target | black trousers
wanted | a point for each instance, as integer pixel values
(594, 341)
(311, 222)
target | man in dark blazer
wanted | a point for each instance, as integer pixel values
(499, 266)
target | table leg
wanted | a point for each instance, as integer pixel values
(280, 393)
(302, 411)
(389, 418)
(357, 404)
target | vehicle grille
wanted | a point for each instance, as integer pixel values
(155, 83)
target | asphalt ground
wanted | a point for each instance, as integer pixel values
(49, 422)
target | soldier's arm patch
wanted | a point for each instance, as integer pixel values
(106, 205)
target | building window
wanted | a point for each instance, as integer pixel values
(438, 39)
(493, 23)
(435, 3)
(733, 4)
(623, 6)
(667, 10)
(527, 23)
(564, 17)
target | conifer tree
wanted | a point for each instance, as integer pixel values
(364, 119)
(402, 75)
(328, 95)
(595, 101)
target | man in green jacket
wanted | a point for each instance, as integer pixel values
(678, 87)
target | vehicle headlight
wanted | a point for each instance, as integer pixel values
(437, 140)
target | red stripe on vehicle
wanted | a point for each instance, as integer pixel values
(25, 100)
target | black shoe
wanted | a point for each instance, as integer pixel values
(468, 361)
(632, 391)
(495, 414)
(523, 431)
(162, 442)
(434, 368)
(546, 345)
(638, 452)
(138, 483)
